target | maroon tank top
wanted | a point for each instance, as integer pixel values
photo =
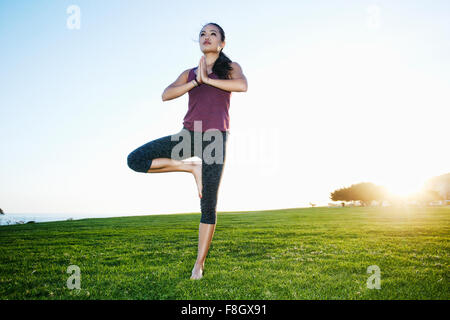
(208, 104)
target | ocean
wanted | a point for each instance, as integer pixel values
(19, 218)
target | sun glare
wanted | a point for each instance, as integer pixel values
(402, 189)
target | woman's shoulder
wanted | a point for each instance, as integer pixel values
(187, 73)
(235, 65)
(236, 70)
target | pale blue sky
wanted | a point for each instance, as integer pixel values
(337, 94)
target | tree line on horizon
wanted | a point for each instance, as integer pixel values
(437, 188)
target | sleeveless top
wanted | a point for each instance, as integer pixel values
(208, 104)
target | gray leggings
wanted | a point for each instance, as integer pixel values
(141, 158)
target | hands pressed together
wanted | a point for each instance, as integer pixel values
(202, 75)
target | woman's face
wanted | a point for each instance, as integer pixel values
(210, 39)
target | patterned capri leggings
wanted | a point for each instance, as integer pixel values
(208, 146)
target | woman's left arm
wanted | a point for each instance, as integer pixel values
(237, 83)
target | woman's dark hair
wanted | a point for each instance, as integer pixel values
(222, 65)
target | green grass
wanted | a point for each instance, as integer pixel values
(305, 253)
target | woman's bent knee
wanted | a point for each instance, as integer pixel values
(137, 163)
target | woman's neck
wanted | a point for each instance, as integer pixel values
(210, 60)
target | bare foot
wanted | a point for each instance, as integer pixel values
(197, 172)
(197, 271)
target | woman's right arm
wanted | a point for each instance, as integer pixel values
(178, 87)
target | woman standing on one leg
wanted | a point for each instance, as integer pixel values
(209, 86)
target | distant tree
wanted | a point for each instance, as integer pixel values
(365, 192)
(440, 184)
(341, 195)
(1, 211)
(428, 195)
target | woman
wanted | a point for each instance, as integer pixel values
(209, 86)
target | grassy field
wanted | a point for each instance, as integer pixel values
(305, 253)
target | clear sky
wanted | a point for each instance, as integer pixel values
(339, 92)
